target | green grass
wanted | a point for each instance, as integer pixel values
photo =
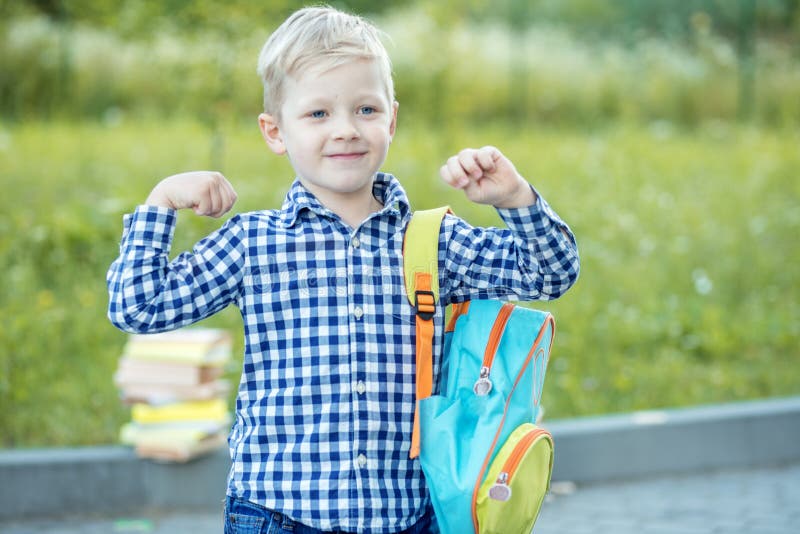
(688, 292)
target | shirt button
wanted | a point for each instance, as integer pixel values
(362, 460)
(356, 242)
(361, 387)
(358, 312)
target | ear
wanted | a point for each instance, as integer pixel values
(393, 124)
(268, 124)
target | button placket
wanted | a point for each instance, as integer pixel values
(357, 294)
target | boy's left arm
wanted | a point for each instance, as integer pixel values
(536, 258)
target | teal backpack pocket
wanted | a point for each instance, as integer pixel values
(450, 462)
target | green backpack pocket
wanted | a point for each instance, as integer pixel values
(512, 493)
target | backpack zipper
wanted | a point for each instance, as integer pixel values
(501, 489)
(483, 385)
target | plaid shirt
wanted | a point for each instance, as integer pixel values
(326, 399)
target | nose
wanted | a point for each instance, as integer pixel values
(344, 129)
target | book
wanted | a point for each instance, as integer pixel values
(189, 345)
(172, 443)
(180, 452)
(133, 433)
(159, 394)
(133, 371)
(206, 410)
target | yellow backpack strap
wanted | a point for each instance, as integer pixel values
(421, 273)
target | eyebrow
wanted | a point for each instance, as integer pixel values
(372, 98)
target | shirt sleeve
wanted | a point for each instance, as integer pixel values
(534, 258)
(148, 293)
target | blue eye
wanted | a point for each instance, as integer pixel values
(367, 110)
(319, 114)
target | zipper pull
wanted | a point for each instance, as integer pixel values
(483, 386)
(500, 490)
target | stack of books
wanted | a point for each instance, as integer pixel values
(178, 396)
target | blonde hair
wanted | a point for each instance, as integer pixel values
(318, 37)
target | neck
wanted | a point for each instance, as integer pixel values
(353, 208)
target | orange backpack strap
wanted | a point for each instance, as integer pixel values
(421, 273)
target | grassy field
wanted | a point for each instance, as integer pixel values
(688, 293)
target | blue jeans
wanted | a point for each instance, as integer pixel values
(245, 517)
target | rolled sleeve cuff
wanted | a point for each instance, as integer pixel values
(537, 220)
(149, 226)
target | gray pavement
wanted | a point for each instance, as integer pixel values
(756, 501)
(752, 501)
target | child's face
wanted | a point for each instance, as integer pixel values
(335, 126)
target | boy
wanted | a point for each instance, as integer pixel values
(326, 401)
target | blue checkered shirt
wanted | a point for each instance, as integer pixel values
(326, 400)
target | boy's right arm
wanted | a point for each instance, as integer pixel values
(147, 292)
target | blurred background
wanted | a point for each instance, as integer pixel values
(665, 133)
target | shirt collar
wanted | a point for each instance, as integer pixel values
(385, 188)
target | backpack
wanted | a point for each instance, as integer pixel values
(486, 463)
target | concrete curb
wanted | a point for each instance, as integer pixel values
(106, 481)
(641, 444)
(111, 480)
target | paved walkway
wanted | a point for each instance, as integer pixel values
(763, 501)
(757, 501)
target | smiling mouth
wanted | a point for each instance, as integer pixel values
(346, 156)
